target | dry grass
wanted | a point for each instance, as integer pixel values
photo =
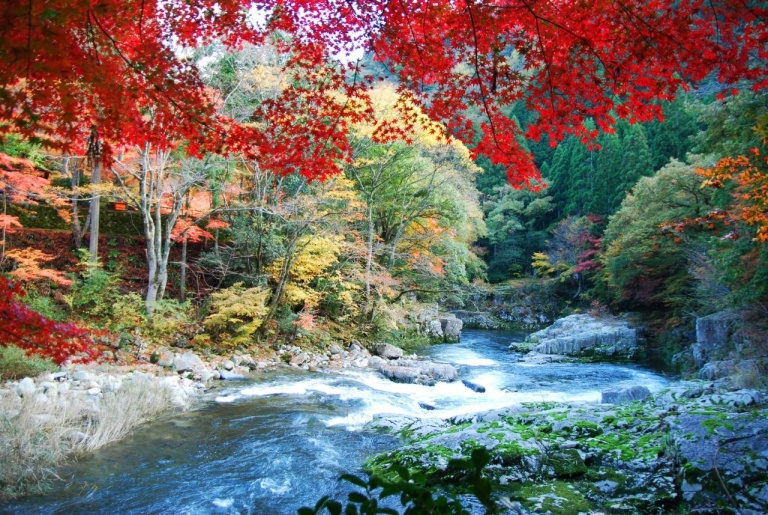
(36, 437)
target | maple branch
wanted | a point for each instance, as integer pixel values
(29, 39)
(477, 74)
(413, 37)
(138, 69)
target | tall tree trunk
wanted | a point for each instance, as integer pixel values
(183, 278)
(369, 259)
(93, 244)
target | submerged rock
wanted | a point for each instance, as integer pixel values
(473, 386)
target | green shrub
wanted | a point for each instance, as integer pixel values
(16, 146)
(15, 364)
(171, 322)
(94, 293)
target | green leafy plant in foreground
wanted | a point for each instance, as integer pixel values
(416, 497)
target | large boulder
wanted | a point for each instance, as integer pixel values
(586, 336)
(164, 357)
(187, 361)
(387, 351)
(418, 371)
(723, 458)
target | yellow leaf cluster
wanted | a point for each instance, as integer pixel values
(237, 312)
(316, 255)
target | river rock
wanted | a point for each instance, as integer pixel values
(26, 387)
(424, 372)
(226, 375)
(164, 357)
(387, 351)
(81, 375)
(473, 386)
(585, 335)
(717, 370)
(187, 361)
(334, 349)
(228, 364)
(723, 453)
(376, 362)
(633, 393)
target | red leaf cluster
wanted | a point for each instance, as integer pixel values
(36, 334)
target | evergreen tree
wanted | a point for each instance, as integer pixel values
(673, 138)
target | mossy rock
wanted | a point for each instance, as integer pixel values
(566, 463)
(555, 497)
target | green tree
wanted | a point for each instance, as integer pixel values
(645, 265)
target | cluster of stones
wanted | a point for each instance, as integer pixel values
(694, 447)
(389, 360)
(91, 386)
(233, 368)
(582, 335)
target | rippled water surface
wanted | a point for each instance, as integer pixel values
(273, 445)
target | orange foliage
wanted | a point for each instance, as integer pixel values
(748, 175)
(28, 266)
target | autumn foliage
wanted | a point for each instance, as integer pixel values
(123, 68)
(24, 328)
(747, 178)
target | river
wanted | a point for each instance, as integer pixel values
(279, 442)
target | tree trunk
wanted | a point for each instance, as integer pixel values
(183, 278)
(369, 259)
(93, 244)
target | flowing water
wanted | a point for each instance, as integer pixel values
(278, 443)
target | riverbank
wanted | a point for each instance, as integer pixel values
(59, 416)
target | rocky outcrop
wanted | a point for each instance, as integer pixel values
(712, 335)
(586, 336)
(444, 330)
(692, 448)
(438, 328)
(418, 371)
(478, 320)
